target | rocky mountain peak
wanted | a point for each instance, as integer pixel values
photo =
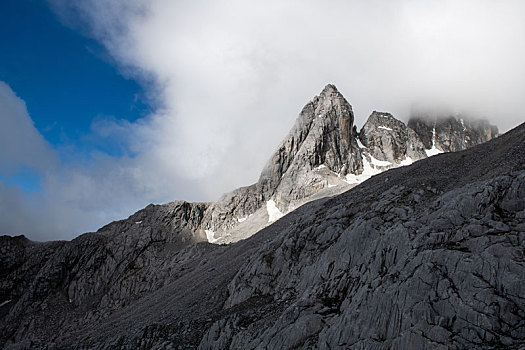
(390, 140)
(323, 136)
(323, 155)
(331, 104)
(317, 153)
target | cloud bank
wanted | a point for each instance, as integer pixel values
(228, 78)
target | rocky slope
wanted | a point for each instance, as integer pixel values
(429, 255)
(426, 256)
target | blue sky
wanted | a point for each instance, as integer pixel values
(65, 78)
(109, 105)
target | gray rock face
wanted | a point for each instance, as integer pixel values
(389, 139)
(415, 147)
(425, 256)
(20, 262)
(324, 134)
(451, 134)
(225, 214)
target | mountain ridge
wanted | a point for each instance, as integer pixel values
(152, 280)
(324, 154)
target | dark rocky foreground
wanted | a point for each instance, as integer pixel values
(425, 256)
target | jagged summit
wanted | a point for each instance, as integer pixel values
(322, 155)
(318, 152)
(329, 89)
(324, 135)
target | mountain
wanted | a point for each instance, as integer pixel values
(451, 133)
(324, 155)
(428, 255)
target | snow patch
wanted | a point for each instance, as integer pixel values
(274, 213)
(368, 172)
(210, 236)
(374, 167)
(359, 144)
(406, 161)
(242, 219)
(331, 185)
(434, 150)
(138, 222)
(322, 166)
(5, 302)
(384, 128)
(378, 162)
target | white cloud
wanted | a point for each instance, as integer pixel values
(21, 145)
(229, 78)
(226, 68)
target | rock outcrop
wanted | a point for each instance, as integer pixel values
(390, 140)
(424, 256)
